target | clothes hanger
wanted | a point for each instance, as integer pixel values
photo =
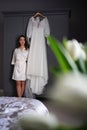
(39, 14)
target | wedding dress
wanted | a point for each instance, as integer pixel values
(37, 69)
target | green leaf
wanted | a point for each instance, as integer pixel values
(85, 47)
(64, 41)
(55, 70)
(82, 65)
(86, 66)
(62, 56)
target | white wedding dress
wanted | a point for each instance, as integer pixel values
(37, 69)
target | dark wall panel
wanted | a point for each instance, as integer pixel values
(16, 24)
(77, 22)
(13, 26)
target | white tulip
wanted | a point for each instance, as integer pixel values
(35, 121)
(71, 90)
(75, 49)
(83, 53)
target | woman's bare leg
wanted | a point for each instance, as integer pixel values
(22, 87)
(18, 88)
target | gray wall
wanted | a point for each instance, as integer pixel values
(16, 24)
(77, 22)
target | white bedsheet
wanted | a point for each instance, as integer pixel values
(11, 108)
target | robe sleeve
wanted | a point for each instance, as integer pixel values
(29, 30)
(47, 28)
(13, 58)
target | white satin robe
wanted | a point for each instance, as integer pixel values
(19, 61)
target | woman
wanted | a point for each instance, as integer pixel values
(19, 60)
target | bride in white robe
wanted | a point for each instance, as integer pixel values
(37, 68)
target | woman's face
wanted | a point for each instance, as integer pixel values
(22, 41)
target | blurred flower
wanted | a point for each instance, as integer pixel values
(75, 49)
(70, 54)
(71, 89)
(35, 121)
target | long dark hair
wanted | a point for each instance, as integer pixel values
(18, 43)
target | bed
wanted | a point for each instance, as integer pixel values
(13, 107)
